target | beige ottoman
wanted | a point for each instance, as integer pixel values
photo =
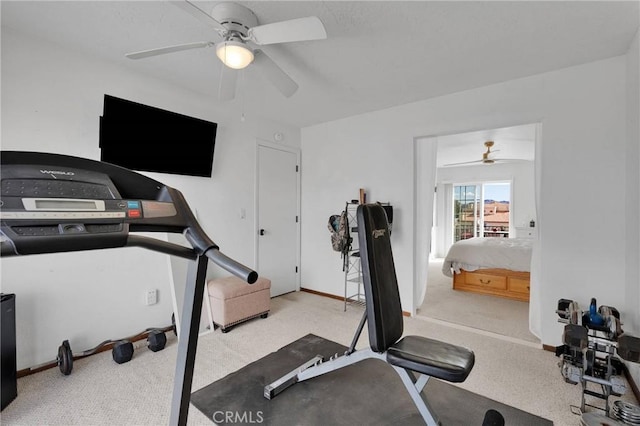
(234, 301)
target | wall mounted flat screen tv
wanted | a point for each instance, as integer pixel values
(145, 138)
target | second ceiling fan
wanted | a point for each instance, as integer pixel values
(238, 38)
(487, 157)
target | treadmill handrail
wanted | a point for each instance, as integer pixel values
(7, 249)
(219, 258)
(161, 246)
(236, 268)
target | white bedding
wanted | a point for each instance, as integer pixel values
(481, 253)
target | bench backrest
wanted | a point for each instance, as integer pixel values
(384, 311)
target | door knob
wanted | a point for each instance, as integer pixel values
(262, 232)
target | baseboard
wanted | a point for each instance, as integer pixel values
(340, 298)
(549, 348)
(320, 293)
(627, 374)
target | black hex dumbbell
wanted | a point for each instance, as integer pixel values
(156, 340)
(122, 351)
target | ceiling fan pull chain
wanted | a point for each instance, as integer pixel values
(242, 96)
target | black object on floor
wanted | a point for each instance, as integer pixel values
(8, 368)
(156, 340)
(493, 418)
(369, 392)
(122, 351)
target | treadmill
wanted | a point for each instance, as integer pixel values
(58, 203)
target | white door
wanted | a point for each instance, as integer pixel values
(277, 218)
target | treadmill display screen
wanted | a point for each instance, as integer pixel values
(66, 205)
(63, 204)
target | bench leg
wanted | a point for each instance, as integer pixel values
(317, 367)
(314, 368)
(337, 363)
(414, 388)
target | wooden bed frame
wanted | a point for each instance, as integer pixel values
(496, 282)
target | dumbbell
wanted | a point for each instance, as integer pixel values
(569, 311)
(173, 324)
(609, 310)
(563, 308)
(629, 348)
(122, 351)
(611, 321)
(65, 358)
(575, 336)
(156, 340)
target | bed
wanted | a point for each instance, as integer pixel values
(494, 266)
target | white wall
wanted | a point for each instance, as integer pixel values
(632, 205)
(523, 207)
(338, 158)
(51, 101)
(583, 115)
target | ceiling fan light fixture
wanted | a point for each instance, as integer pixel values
(234, 54)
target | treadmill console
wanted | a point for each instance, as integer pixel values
(51, 203)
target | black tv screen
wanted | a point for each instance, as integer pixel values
(145, 138)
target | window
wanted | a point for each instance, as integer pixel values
(481, 210)
(466, 199)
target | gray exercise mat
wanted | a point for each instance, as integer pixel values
(367, 393)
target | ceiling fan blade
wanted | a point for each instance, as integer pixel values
(489, 161)
(509, 160)
(462, 164)
(199, 14)
(227, 84)
(309, 28)
(168, 49)
(274, 73)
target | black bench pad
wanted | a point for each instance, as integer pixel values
(432, 357)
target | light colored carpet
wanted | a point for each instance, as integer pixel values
(101, 392)
(490, 313)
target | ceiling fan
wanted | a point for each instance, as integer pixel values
(237, 43)
(487, 158)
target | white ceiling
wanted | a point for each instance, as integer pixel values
(378, 54)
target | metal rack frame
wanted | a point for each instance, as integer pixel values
(352, 267)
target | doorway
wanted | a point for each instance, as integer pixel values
(454, 170)
(277, 216)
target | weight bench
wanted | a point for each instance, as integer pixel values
(414, 358)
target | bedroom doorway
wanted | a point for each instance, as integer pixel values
(493, 314)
